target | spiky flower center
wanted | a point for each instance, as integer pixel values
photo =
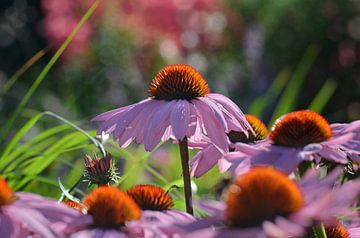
(261, 194)
(178, 81)
(300, 128)
(6, 194)
(111, 207)
(257, 125)
(338, 231)
(150, 197)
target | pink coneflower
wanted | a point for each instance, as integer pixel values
(109, 210)
(25, 214)
(180, 106)
(265, 203)
(114, 213)
(156, 205)
(209, 155)
(296, 137)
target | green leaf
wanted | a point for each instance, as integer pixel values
(288, 98)
(323, 96)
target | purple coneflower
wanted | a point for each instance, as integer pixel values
(180, 106)
(25, 214)
(296, 137)
(209, 154)
(114, 213)
(156, 205)
(108, 212)
(265, 203)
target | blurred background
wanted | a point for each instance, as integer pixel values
(269, 56)
(240, 46)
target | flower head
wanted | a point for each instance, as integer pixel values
(100, 171)
(300, 128)
(264, 202)
(111, 207)
(251, 200)
(150, 197)
(178, 82)
(296, 137)
(338, 231)
(179, 106)
(256, 124)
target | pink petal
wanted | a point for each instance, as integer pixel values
(180, 119)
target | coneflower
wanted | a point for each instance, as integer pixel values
(264, 202)
(180, 106)
(297, 137)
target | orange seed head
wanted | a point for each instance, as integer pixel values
(178, 81)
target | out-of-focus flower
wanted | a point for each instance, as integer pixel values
(25, 214)
(265, 203)
(179, 106)
(100, 171)
(296, 137)
(60, 19)
(114, 213)
(156, 205)
(209, 155)
(109, 210)
(186, 24)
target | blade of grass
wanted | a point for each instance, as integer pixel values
(258, 106)
(45, 71)
(22, 70)
(288, 98)
(323, 96)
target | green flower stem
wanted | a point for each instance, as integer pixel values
(319, 231)
(184, 154)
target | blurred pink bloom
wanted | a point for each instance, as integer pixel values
(187, 23)
(25, 214)
(61, 17)
(179, 106)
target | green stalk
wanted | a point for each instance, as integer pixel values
(184, 154)
(319, 231)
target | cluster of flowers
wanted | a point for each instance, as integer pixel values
(276, 190)
(203, 26)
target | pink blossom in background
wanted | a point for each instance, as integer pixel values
(61, 17)
(188, 24)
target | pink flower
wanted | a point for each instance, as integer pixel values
(179, 106)
(296, 137)
(25, 214)
(114, 213)
(156, 205)
(266, 203)
(209, 155)
(186, 24)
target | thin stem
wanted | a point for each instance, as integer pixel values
(184, 154)
(319, 231)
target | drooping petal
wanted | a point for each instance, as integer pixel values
(180, 119)
(204, 160)
(214, 129)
